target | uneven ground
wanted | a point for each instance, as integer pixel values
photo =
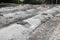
(30, 22)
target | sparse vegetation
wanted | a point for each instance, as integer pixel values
(10, 1)
(32, 1)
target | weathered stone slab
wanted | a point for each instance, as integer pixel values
(45, 31)
(21, 30)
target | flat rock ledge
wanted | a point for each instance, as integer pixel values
(30, 22)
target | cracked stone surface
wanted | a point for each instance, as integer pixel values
(47, 31)
(30, 22)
